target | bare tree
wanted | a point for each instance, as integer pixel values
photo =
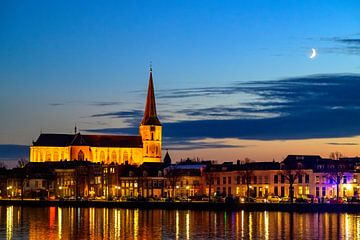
(22, 163)
(173, 176)
(209, 178)
(291, 172)
(2, 165)
(336, 155)
(336, 172)
(246, 173)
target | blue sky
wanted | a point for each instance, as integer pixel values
(63, 62)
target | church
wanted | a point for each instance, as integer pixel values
(117, 149)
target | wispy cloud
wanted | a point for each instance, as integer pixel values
(343, 143)
(317, 106)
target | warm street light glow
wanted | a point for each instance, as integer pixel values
(187, 187)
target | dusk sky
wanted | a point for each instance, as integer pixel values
(233, 79)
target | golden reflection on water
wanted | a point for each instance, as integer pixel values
(103, 223)
(9, 222)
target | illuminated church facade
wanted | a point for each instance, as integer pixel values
(118, 149)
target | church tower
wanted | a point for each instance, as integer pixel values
(150, 127)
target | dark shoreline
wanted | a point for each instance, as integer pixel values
(337, 208)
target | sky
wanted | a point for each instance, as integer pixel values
(233, 79)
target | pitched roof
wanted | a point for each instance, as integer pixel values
(62, 140)
(150, 116)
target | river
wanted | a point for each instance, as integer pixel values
(111, 223)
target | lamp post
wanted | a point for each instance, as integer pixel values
(60, 191)
(177, 188)
(117, 188)
(8, 189)
(187, 191)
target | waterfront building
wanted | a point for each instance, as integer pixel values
(117, 149)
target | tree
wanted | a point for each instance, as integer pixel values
(246, 173)
(22, 163)
(335, 174)
(209, 178)
(336, 155)
(173, 177)
(291, 171)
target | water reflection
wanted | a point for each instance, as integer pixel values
(104, 223)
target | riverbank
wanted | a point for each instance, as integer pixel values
(296, 207)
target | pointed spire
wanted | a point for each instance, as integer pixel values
(150, 116)
(75, 129)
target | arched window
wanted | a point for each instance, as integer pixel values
(102, 156)
(48, 156)
(62, 155)
(126, 156)
(81, 156)
(56, 156)
(40, 156)
(113, 157)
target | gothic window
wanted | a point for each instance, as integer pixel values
(40, 157)
(62, 155)
(81, 156)
(48, 156)
(56, 156)
(113, 157)
(126, 156)
(102, 156)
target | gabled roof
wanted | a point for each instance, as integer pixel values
(150, 116)
(63, 140)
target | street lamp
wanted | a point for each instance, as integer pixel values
(187, 191)
(117, 190)
(9, 188)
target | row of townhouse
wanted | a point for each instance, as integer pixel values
(305, 175)
(297, 174)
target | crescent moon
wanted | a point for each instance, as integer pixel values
(313, 53)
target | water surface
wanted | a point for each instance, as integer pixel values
(104, 223)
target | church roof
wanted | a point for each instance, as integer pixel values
(63, 140)
(150, 116)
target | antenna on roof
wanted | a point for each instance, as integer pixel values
(75, 129)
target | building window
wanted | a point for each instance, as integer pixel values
(307, 178)
(260, 179)
(276, 178)
(255, 180)
(56, 156)
(218, 181)
(224, 180)
(300, 179)
(300, 190)
(237, 179)
(243, 180)
(229, 180)
(317, 179)
(126, 156)
(323, 191)
(81, 156)
(102, 156)
(345, 180)
(282, 191)
(229, 190)
(307, 190)
(323, 179)
(282, 179)
(276, 191)
(266, 179)
(113, 157)
(317, 192)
